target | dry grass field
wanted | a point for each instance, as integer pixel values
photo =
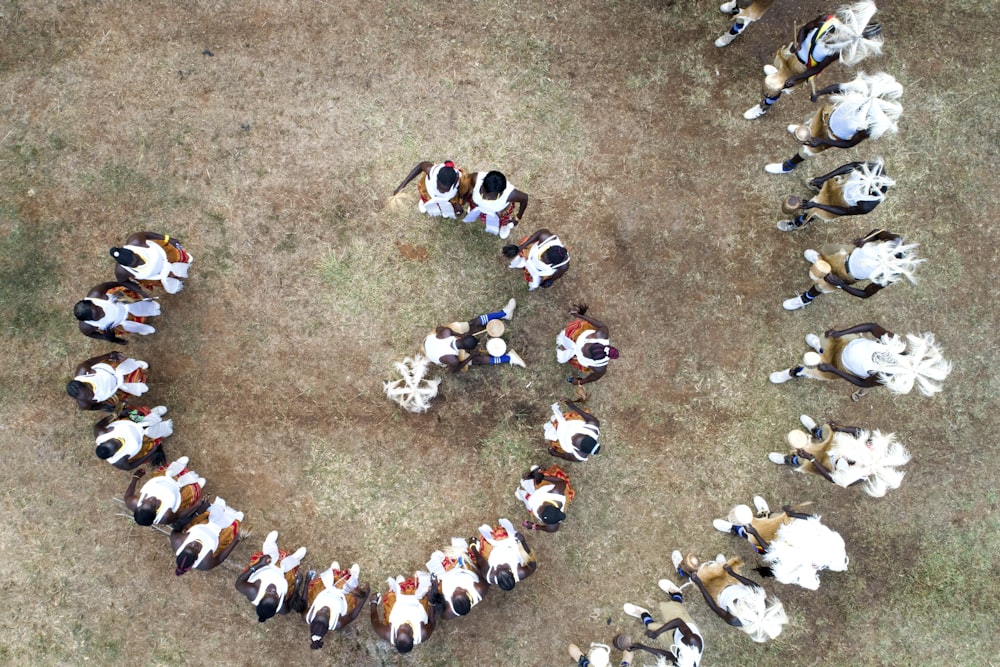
(268, 135)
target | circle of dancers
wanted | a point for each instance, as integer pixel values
(793, 545)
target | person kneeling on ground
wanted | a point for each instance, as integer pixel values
(456, 346)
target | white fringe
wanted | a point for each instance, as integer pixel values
(848, 39)
(895, 260)
(762, 618)
(413, 391)
(917, 361)
(802, 549)
(875, 98)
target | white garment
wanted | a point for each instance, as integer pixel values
(274, 572)
(407, 609)
(567, 348)
(856, 188)
(102, 379)
(154, 262)
(270, 575)
(564, 430)
(435, 347)
(332, 595)
(332, 598)
(220, 517)
(820, 51)
(106, 379)
(167, 487)
(125, 368)
(155, 426)
(679, 641)
(114, 313)
(857, 357)
(461, 575)
(439, 204)
(507, 551)
(535, 266)
(847, 120)
(166, 490)
(129, 433)
(534, 497)
(863, 262)
(155, 266)
(488, 207)
(288, 563)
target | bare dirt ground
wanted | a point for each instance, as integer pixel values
(267, 137)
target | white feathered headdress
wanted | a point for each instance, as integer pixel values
(802, 549)
(847, 37)
(874, 98)
(760, 617)
(915, 361)
(413, 391)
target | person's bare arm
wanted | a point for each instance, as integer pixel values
(131, 497)
(380, 628)
(521, 199)
(850, 377)
(421, 167)
(245, 587)
(858, 137)
(710, 601)
(595, 375)
(587, 417)
(810, 71)
(513, 249)
(870, 290)
(819, 467)
(873, 328)
(361, 595)
(563, 455)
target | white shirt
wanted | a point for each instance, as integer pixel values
(857, 356)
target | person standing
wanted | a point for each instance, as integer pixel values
(443, 188)
(112, 310)
(740, 602)
(456, 346)
(151, 258)
(585, 345)
(885, 358)
(459, 586)
(105, 381)
(855, 188)
(849, 35)
(208, 539)
(572, 435)
(881, 258)
(130, 438)
(796, 546)
(170, 496)
(865, 108)
(542, 257)
(688, 644)
(546, 495)
(502, 555)
(492, 201)
(333, 600)
(846, 456)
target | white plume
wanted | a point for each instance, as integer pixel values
(413, 391)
